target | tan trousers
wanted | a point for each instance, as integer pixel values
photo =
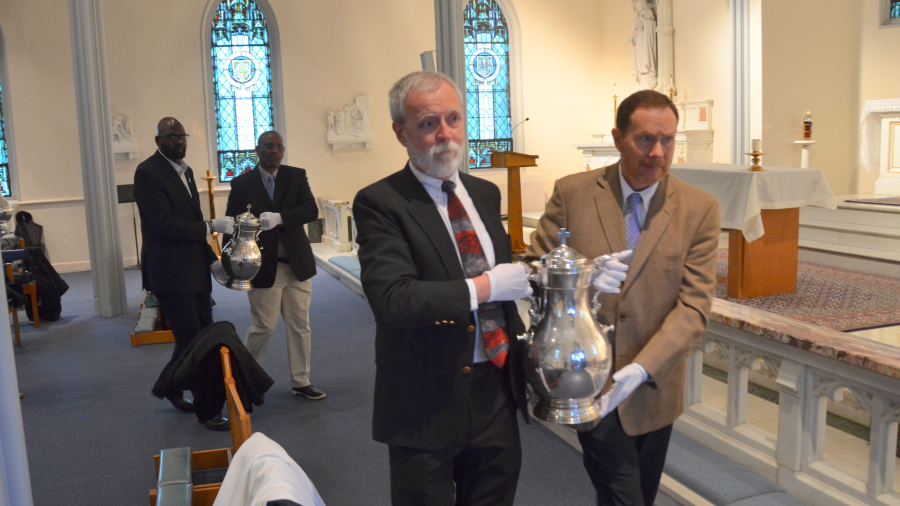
(290, 298)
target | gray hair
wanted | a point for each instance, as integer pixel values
(419, 82)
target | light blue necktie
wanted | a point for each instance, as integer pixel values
(633, 208)
(270, 187)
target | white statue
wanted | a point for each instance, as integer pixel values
(121, 130)
(339, 121)
(348, 125)
(643, 41)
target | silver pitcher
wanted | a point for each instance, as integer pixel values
(567, 357)
(241, 258)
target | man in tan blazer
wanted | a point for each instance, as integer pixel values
(662, 310)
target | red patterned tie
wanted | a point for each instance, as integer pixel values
(491, 317)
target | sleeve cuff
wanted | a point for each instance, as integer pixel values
(644, 374)
(473, 295)
(278, 219)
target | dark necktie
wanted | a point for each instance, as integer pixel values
(491, 318)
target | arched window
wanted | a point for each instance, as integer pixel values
(242, 81)
(4, 156)
(486, 41)
(895, 9)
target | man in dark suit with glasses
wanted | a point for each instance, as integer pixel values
(176, 254)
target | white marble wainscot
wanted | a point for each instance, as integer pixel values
(888, 181)
(809, 365)
(335, 216)
(856, 236)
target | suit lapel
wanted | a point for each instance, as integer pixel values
(423, 210)
(659, 216)
(608, 199)
(282, 182)
(171, 175)
(257, 187)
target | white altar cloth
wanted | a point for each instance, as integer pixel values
(743, 194)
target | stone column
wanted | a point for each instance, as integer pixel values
(15, 482)
(97, 163)
(450, 54)
(740, 99)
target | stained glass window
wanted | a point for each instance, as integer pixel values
(486, 40)
(895, 9)
(4, 160)
(243, 84)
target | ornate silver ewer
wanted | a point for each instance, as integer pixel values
(241, 258)
(567, 357)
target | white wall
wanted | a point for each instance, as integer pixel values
(811, 63)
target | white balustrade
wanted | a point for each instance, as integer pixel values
(808, 366)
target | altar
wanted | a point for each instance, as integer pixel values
(761, 210)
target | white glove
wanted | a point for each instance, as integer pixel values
(223, 225)
(268, 221)
(509, 282)
(611, 273)
(625, 382)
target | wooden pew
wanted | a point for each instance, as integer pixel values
(205, 495)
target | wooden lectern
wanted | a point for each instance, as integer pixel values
(512, 161)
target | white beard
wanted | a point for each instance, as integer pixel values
(439, 161)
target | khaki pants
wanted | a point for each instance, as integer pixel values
(290, 298)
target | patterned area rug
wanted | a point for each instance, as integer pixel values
(886, 201)
(836, 298)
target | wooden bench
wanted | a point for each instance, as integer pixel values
(151, 317)
(171, 481)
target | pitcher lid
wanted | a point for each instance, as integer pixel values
(246, 218)
(564, 257)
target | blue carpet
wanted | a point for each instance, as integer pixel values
(92, 427)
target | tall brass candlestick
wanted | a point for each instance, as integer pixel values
(755, 158)
(214, 238)
(615, 107)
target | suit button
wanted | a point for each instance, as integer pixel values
(470, 329)
(452, 322)
(444, 322)
(622, 317)
(437, 323)
(466, 370)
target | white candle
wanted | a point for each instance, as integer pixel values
(756, 144)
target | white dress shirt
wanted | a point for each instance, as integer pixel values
(433, 187)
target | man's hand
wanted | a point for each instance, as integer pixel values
(223, 225)
(508, 282)
(611, 273)
(625, 382)
(268, 221)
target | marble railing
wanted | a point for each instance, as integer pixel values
(335, 214)
(813, 371)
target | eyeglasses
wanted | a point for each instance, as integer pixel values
(175, 137)
(272, 147)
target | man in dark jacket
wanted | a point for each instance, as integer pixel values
(280, 196)
(175, 252)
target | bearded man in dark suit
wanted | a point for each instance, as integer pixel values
(176, 254)
(436, 271)
(280, 196)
